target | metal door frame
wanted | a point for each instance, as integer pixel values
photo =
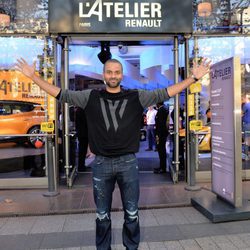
(70, 175)
(29, 182)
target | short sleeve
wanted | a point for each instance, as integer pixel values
(76, 98)
(149, 98)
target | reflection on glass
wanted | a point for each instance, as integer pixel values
(226, 17)
(23, 107)
(25, 16)
(218, 49)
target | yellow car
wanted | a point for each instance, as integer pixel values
(18, 117)
(203, 139)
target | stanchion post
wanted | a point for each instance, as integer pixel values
(193, 164)
(51, 168)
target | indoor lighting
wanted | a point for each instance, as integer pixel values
(4, 18)
(204, 9)
(247, 68)
(105, 54)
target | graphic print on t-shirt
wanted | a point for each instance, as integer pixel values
(111, 108)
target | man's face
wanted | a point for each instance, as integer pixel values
(113, 74)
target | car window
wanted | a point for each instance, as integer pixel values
(26, 107)
(5, 109)
(15, 108)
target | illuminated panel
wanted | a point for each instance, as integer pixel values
(226, 130)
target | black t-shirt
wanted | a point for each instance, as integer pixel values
(113, 119)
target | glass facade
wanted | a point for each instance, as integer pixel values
(26, 17)
(221, 17)
(23, 107)
(222, 31)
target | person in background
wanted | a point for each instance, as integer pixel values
(208, 113)
(161, 131)
(246, 124)
(151, 113)
(82, 135)
(114, 119)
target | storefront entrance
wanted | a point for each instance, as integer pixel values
(143, 68)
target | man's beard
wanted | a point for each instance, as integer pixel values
(112, 85)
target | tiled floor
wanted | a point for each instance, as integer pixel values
(18, 202)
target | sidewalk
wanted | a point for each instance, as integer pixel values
(168, 228)
(31, 221)
(80, 199)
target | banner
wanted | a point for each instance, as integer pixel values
(226, 130)
(124, 16)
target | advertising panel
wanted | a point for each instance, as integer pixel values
(124, 16)
(226, 130)
(17, 87)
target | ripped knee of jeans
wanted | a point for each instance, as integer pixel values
(132, 214)
(102, 216)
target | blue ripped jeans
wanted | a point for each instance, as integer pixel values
(106, 172)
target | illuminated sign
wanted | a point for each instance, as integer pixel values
(195, 88)
(100, 16)
(195, 125)
(191, 110)
(226, 130)
(47, 127)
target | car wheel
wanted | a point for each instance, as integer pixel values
(32, 139)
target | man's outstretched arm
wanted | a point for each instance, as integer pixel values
(29, 71)
(198, 72)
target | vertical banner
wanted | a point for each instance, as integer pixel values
(226, 130)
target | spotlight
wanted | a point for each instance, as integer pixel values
(105, 54)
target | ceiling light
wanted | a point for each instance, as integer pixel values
(247, 68)
(105, 54)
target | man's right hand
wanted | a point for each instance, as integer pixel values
(29, 71)
(25, 68)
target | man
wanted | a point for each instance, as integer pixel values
(151, 113)
(114, 119)
(208, 113)
(161, 131)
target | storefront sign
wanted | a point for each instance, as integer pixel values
(125, 16)
(226, 130)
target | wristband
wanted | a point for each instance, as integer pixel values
(193, 76)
